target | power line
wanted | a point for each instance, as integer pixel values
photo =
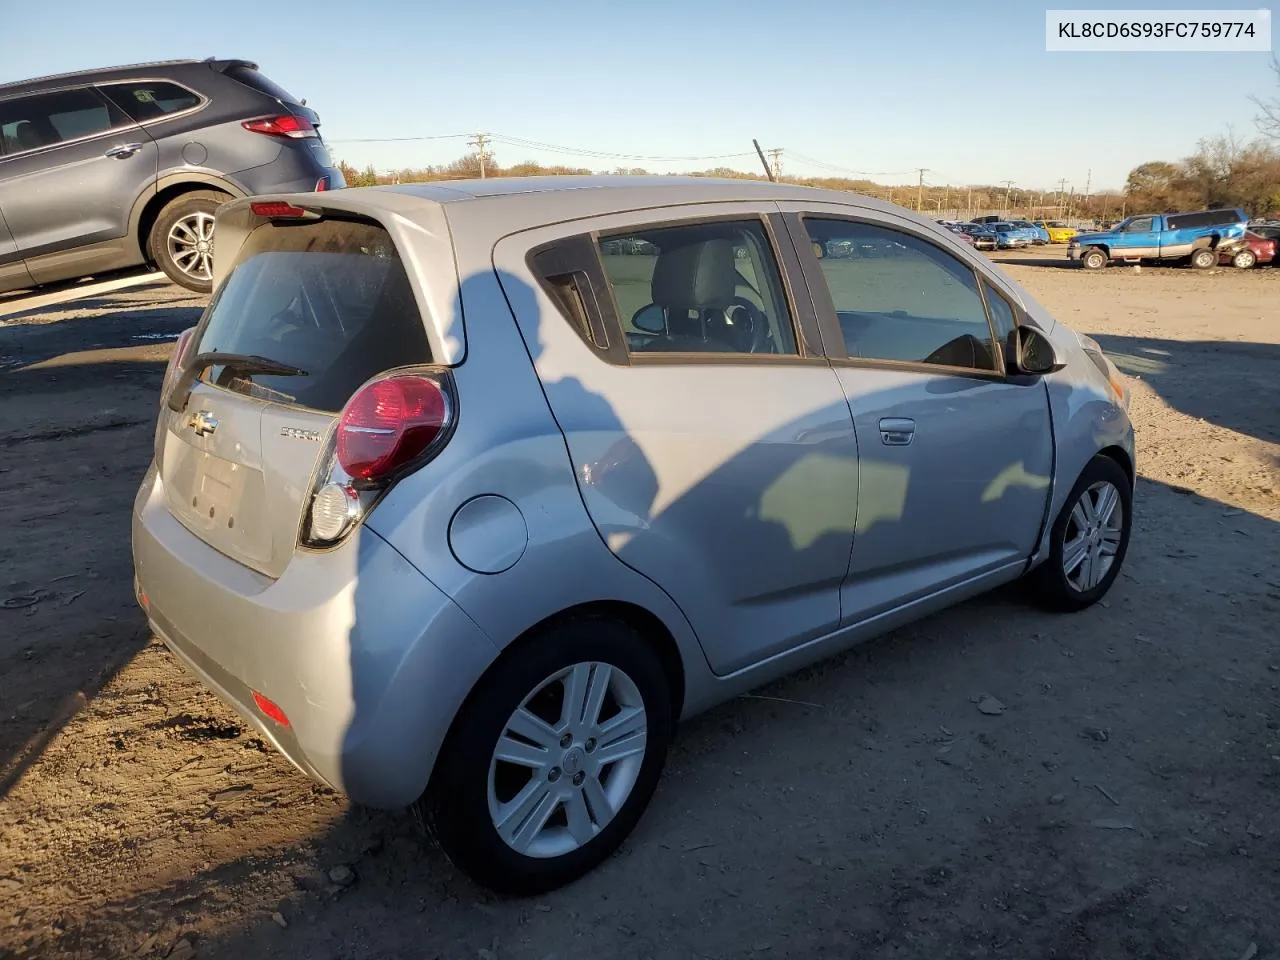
(861, 173)
(442, 136)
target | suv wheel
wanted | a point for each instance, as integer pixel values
(553, 758)
(1089, 539)
(1204, 258)
(181, 240)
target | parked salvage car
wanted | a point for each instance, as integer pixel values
(1058, 231)
(1009, 236)
(1256, 250)
(984, 237)
(106, 169)
(460, 503)
(1198, 238)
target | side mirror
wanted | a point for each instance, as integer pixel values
(1030, 352)
(650, 319)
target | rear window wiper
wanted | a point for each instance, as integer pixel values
(241, 363)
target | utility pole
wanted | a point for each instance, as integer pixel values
(479, 141)
(1062, 185)
(763, 162)
(920, 189)
(775, 155)
(946, 198)
(1008, 188)
(968, 204)
(1088, 182)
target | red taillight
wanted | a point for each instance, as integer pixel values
(176, 360)
(276, 208)
(322, 184)
(286, 125)
(270, 709)
(389, 423)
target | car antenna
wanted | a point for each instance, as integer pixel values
(760, 153)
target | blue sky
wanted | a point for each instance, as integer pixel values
(966, 90)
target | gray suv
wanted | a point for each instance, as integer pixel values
(108, 169)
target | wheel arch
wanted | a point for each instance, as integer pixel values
(147, 208)
(650, 627)
(1121, 457)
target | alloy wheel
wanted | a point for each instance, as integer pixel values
(190, 244)
(567, 760)
(1092, 537)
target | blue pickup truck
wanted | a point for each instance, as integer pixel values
(1198, 238)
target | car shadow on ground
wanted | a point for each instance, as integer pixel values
(68, 620)
(1243, 399)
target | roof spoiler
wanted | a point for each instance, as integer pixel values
(222, 66)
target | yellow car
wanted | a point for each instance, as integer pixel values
(1059, 232)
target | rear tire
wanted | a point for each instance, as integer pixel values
(1093, 259)
(181, 239)
(1203, 258)
(1088, 542)
(1245, 259)
(562, 829)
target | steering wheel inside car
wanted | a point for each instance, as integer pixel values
(746, 326)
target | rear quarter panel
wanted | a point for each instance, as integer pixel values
(508, 445)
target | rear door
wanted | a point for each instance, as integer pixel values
(954, 458)
(711, 440)
(331, 298)
(73, 164)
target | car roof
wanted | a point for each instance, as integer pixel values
(519, 203)
(101, 74)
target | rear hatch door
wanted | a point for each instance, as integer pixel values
(329, 298)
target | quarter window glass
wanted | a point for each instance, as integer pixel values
(28, 123)
(901, 298)
(151, 99)
(1001, 313)
(699, 288)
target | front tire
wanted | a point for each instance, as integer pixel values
(1088, 542)
(1093, 259)
(1244, 260)
(181, 239)
(554, 757)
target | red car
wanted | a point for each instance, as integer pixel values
(1256, 250)
(960, 234)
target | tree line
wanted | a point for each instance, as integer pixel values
(1223, 172)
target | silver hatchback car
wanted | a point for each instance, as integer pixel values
(463, 495)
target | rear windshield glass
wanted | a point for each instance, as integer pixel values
(331, 298)
(261, 82)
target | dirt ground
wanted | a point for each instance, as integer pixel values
(1124, 805)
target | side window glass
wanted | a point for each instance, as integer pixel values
(699, 288)
(901, 298)
(1139, 226)
(150, 99)
(43, 120)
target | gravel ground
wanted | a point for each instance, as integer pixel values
(1123, 804)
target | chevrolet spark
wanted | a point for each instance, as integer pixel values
(463, 496)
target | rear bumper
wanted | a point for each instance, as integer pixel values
(367, 658)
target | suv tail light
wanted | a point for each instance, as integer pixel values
(390, 424)
(322, 184)
(285, 125)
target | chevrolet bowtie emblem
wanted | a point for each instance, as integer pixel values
(203, 423)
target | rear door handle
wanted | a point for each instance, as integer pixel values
(122, 150)
(897, 431)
